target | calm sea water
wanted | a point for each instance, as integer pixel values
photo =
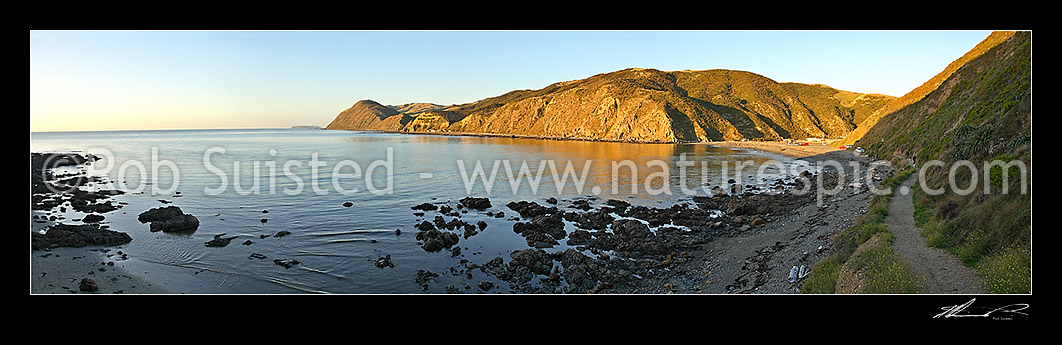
(304, 177)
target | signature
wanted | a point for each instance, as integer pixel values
(964, 310)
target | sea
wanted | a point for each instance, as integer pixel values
(346, 198)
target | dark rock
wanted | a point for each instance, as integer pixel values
(161, 213)
(423, 277)
(64, 235)
(88, 285)
(579, 237)
(169, 219)
(537, 261)
(265, 211)
(247, 242)
(348, 204)
(282, 233)
(470, 231)
(89, 202)
(384, 261)
(219, 241)
(435, 240)
(398, 232)
(425, 207)
(256, 256)
(552, 201)
(618, 204)
(529, 209)
(628, 228)
(495, 267)
(286, 263)
(756, 221)
(92, 218)
(594, 220)
(425, 226)
(481, 224)
(486, 285)
(581, 204)
(543, 231)
(476, 203)
(180, 223)
(264, 220)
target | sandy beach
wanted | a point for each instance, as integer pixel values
(816, 152)
(59, 265)
(60, 271)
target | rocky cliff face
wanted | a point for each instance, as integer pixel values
(369, 115)
(639, 105)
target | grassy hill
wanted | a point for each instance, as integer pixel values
(980, 113)
(639, 105)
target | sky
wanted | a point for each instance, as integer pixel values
(132, 80)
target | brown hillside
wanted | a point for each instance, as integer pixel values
(641, 105)
(929, 86)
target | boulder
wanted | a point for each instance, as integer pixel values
(384, 261)
(528, 209)
(65, 235)
(535, 260)
(88, 285)
(425, 207)
(169, 219)
(180, 223)
(476, 203)
(92, 218)
(435, 240)
(161, 213)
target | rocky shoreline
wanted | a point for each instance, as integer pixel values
(83, 256)
(52, 193)
(737, 241)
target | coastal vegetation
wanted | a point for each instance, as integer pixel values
(863, 252)
(980, 115)
(973, 122)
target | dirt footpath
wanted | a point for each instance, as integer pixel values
(942, 273)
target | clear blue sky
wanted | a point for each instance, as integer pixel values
(108, 80)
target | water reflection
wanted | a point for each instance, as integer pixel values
(572, 168)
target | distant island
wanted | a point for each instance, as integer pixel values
(306, 127)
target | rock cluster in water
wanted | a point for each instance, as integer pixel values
(51, 191)
(169, 219)
(614, 242)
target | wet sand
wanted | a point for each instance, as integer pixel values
(60, 270)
